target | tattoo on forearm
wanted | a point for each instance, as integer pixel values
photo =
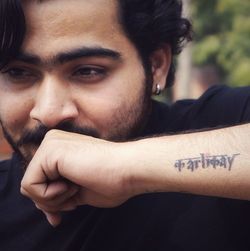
(206, 161)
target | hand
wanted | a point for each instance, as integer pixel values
(69, 170)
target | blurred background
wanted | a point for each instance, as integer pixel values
(219, 54)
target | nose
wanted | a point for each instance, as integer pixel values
(53, 103)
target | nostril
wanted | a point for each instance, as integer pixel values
(53, 114)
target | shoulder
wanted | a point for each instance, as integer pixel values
(10, 175)
(7, 164)
(4, 164)
(225, 97)
(4, 175)
(219, 106)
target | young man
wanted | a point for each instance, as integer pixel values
(75, 85)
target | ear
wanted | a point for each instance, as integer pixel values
(160, 64)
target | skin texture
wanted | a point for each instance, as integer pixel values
(95, 92)
(106, 174)
(69, 169)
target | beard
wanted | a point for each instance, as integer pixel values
(30, 140)
(126, 124)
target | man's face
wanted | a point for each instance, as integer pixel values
(76, 67)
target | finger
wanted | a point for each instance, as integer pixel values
(54, 193)
(55, 189)
(60, 199)
(67, 205)
(38, 173)
(63, 203)
(57, 195)
(45, 191)
(54, 219)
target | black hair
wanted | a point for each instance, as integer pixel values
(148, 24)
(12, 30)
(151, 23)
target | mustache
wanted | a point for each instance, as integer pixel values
(37, 135)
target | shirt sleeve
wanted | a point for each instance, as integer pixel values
(220, 106)
(223, 106)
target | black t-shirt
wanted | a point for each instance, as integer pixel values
(152, 222)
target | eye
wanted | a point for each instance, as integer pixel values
(90, 73)
(18, 74)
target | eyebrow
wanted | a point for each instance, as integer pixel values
(65, 57)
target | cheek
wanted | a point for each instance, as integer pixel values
(14, 111)
(101, 104)
(110, 105)
(108, 115)
(97, 109)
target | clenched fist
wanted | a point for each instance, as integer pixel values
(69, 170)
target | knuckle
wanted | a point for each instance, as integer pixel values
(23, 191)
(52, 133)
(23, 185)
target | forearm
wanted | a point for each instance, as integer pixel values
(215, 163)
(69, 169)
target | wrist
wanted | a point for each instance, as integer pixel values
(143, 171)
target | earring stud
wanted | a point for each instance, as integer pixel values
(158, 90)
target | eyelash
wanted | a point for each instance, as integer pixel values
(88, 72)
(18, 73)
(82, 74)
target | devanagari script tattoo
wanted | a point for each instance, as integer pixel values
(205, 161)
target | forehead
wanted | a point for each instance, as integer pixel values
(53, 25)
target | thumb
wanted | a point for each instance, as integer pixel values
(54, 219)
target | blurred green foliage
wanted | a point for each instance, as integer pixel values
(222, 37)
